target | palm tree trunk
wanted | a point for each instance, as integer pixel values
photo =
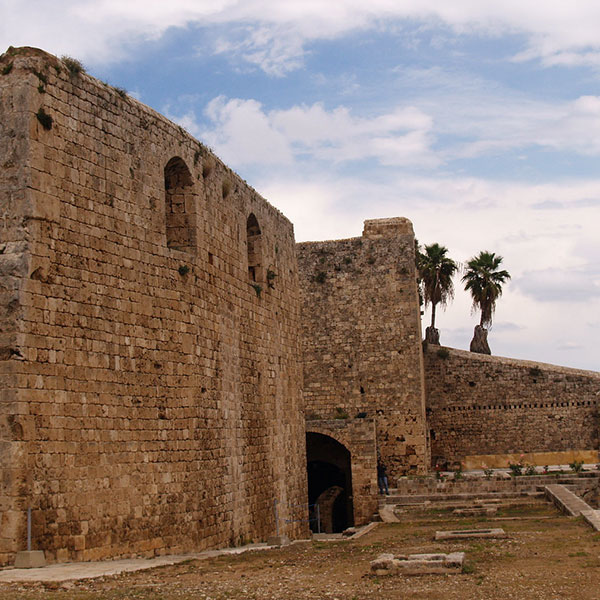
(433, 315)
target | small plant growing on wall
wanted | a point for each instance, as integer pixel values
(443, 353)
(320, 277)
(257, 289)
(7, 68)
(340, 413)
(44, 118)
(74, 66)
(183, 270)
(270, 277)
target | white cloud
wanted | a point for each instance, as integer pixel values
(274, 34)
(577, 284)
(243, 133)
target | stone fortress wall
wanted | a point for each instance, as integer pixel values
(149, 347)
(362, 338)
(490, 410)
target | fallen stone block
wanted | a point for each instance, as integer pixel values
(418, 564)
(497, 533)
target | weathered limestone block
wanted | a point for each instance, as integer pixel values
(418, 564)
(496, 533)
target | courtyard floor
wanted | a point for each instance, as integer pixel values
(546, 555)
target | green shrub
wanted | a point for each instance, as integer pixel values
(443, 353)
(516, 469)
(576, 466)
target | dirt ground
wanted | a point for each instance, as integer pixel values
(546, 555)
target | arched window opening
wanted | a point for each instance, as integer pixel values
(254, 242)
(180, 206)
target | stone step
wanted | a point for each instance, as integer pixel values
(403, 500)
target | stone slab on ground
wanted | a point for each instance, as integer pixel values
(460, 534)
(418, 564)
(352, 533)
(592, 518)
(91, 570)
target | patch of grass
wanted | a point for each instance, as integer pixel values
(7, 68)
(44, 118)
(443, 353)
(121, 92)
(468, 568)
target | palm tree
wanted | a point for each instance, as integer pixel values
(484, 281)
(435, 271)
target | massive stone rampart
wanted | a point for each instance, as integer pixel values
(362, 337)
(490, 409)
(151, 397)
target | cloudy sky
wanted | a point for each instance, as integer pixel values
(479, 121)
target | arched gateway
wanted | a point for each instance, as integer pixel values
(329, 482)
(342, 476)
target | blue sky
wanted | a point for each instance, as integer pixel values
(478, 121)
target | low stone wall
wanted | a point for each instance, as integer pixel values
(489, 409)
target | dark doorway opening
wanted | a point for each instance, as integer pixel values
(329, 482)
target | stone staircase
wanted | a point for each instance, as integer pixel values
(478, 495)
